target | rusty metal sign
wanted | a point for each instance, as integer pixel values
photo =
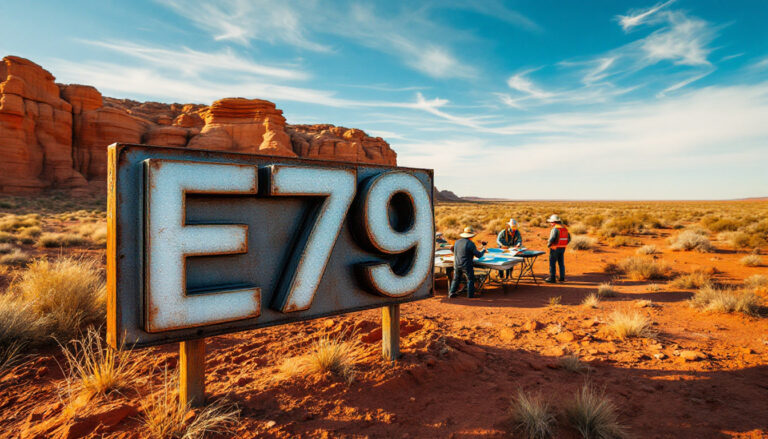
(202, 243)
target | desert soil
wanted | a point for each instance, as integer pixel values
(462, 363)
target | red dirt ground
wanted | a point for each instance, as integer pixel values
(463, 361)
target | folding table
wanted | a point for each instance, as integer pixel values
(492, 260)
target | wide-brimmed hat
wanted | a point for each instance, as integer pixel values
(468, 232)
(438, 234)
(553, 219)
(512, 222)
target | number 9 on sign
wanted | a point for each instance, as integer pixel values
(394, 218)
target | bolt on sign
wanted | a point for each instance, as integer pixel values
(202, 243)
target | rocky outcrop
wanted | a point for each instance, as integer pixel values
(55, 135)
(35, 130)
(244, 125)
(446, 196)
(353, 145)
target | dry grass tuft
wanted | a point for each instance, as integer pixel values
(16, 258)
(18, 326)
(726, 300)
(640, 268)
(605, 289)
(629, 324)
(756, 281)
(6, 248)
(50, 240)
(555, 300)
(10, 223)
(648, 250)
(592, 300)
(581, 242)
(6, 237)
(594, 416)
(97, 369)
(64, 294)
(93, 232)
(328, 355)
(166, 417)
(572, 363)
(696, 279)
(622, 241)
(578, 229)
(751, 261)
(741, 239)
(532, 417)
(690, 240)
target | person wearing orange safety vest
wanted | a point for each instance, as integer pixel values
(558, 241)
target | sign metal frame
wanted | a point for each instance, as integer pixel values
(274, 228)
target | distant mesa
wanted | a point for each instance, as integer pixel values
(54, 136)
(446, 196)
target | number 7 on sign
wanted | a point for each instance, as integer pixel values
(302, 275)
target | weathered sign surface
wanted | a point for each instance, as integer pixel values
(203, 243)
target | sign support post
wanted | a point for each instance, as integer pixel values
(192, 372)
(390, 332)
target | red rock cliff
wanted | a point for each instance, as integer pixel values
(55, 136)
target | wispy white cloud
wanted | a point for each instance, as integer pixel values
(388, 135)
(760, 64)
(684, 41)
(639, 17)
(715, 131)
(388, 88)
(494, 9)
(729, 57)
(147, 82)
(683, 83)
(408, 33)
(530, 94)
(396, 36)
(193, 62)
(242, 21)
(524, 85)
(599, 71)
(676, 38)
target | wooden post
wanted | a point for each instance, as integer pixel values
(390, 332)
(192, 373)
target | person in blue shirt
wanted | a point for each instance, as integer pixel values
(464, 253)
(509, 237)
(440, 242)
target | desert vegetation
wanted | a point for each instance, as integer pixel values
(593, 415)
(639, 274)
(532, 417)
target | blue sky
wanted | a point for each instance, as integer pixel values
(524, 100)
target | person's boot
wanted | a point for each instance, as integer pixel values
(562, 279)
(550, 280)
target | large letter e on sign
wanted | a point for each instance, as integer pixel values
(169, 242)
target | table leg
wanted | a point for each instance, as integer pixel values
(533, 259)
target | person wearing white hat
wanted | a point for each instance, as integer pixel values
(509, 237)
(464, 253)
(558, 241)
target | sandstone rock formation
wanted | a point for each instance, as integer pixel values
(55, 135)
(35, 130)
